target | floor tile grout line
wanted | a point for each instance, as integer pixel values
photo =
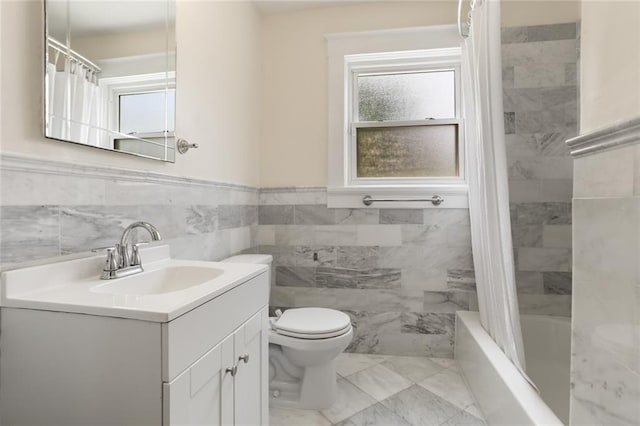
(401, 415)
(445, 399)
(413, 381)
(460, 410)
(368, 357)
(355, 414)
(456, 414)
(473, 397)
(375, 398)
(362, 390)
(384, 406)
(375, 361)
(325, 417)
(474, 403)
(400, 374)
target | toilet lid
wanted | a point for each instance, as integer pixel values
(312, 321)
(315, 336)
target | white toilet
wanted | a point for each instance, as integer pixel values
(303, 346)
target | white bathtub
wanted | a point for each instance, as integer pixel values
(502, 394)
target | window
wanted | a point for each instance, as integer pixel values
(404, 125)
(395, 124)
(147, 113)
(140, 113)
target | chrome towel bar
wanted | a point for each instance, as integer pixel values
(436, 200)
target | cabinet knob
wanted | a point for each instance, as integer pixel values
(232, 370)
(244, 358)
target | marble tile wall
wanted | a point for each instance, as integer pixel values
(605, 364)
(52, 208)
(540, 78)
(400, 274)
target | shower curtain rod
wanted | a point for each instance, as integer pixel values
(72, 54)
(471, 6)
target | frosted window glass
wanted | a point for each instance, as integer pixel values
(145, 112)
(407, 151)
(408, 96)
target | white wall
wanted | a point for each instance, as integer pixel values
(294, 134)
(518, 13)
(218, 105)
(610, 48)
(219, 93)
(121, 44)
(226, 90)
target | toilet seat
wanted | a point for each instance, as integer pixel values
(310, 344)
(312, 323)
(314, 335)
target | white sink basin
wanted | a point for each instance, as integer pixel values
(166, 289)
(165, 280)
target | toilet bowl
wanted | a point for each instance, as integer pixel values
(303, 346)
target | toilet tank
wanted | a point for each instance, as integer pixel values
(263, 259)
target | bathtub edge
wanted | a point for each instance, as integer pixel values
(511, 400)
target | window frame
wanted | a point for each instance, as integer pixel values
(139, 91)
(439, 45)
(113, 87)
(428, 60)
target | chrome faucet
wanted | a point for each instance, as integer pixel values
(119, 262)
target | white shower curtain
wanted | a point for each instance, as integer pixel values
(488, 185)
(73, 102)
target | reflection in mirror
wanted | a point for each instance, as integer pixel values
(110, 75)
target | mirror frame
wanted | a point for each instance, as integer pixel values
(173, 85)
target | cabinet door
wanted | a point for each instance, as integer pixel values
(251, 381)
(206, 394)
(203, 393)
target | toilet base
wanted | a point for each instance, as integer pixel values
(302, 373)
(317, 390)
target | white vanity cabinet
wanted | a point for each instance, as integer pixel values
(225, 386)
(77, 368)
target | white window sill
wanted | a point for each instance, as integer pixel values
(454, 196)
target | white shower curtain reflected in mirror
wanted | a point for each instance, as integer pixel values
(488, 185)
(73, 104)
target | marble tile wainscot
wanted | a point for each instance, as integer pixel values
(400, 274)
(605, 364)
(540, 79)
(51, 208)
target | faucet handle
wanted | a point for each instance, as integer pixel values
(135, 254)
(98, 249)
(112, 262)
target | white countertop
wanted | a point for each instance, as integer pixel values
(70, 286)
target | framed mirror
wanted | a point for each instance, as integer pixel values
(110, 75)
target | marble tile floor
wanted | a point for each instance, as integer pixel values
(379, 390)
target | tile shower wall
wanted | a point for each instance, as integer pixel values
(540, 68)
(53, 208)
(605, 363)
(400, 274)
